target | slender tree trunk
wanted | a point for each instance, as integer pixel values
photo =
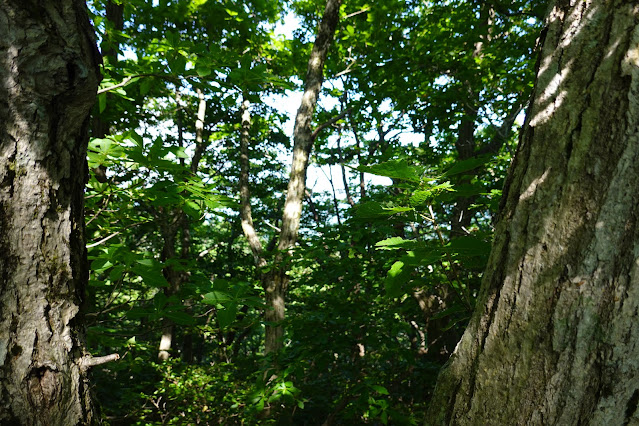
(178, 221)
(275, 281)
(554, 336)
(347, 190)
(48, 81)
(245, 193)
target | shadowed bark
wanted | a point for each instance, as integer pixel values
(554, 339)
(48, 82)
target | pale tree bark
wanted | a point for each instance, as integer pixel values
(178, 220)
(275, 281)
(48, 82)
(554, 337)
(246, 214)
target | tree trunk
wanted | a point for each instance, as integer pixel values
(275, 281)
(48, 82)
(177, 220)
(554, 336)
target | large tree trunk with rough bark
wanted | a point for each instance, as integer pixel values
(48, 82)
(554, 339)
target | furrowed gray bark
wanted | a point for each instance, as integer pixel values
(554, 338)
(48, 81)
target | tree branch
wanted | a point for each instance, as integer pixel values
(117, 86)
(89, 361)
(329, 122)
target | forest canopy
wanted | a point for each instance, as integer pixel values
(289, 206)
(190, 158)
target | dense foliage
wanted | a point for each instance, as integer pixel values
(383, 277)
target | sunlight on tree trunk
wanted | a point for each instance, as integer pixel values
(275, 281)
(553, 338)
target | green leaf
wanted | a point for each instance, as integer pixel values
(146, 85)
(203, 71)
(396, 277)
(373, 210)
(100, 265)
(465, 165)
(395, 169)
(181, 318)
(421, 196)
(215, 297)
(395, 243)
(226, 316)
(152, 277)
(160, 300)
(192, 209)
(380, 389)
(469, 246)
(102, 99)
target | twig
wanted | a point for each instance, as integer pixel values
(89, 361)
(272, 226)
(128, 79)
(117, 86)
(115, 234)
(329, 122)
(357, 13)
(103, 240)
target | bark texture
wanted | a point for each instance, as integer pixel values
(554, 338)
(48, 81)
(275, 282)
(245, 193)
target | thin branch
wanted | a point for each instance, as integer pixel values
(105, 239)
(349, 198)
(128, 79)
(333, 120)
(103, 208)
(311, 204)
(117, 86)
(335, 202)
(245, 194)
(89, 361)
(357, 13)
(200, 143)
(272, 226)
(346, 70)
